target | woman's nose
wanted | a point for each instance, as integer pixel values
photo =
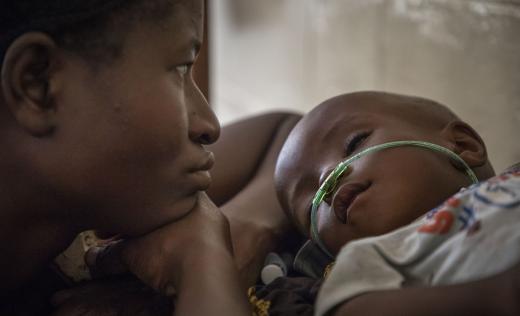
(204, 127)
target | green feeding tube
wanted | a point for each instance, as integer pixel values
(331, 181)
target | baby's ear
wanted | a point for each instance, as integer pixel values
(466, 143)
(27, 72)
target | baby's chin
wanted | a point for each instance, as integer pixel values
(337, 241)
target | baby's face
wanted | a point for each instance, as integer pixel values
(138, 132)
(382, 191)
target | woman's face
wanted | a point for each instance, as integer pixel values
(133, 142)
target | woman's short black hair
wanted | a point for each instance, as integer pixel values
(94, 29)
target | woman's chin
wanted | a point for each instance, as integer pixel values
(177, 211)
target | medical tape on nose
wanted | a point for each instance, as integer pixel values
(331, 181)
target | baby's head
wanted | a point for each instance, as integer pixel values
(99, 113)
(383, 190)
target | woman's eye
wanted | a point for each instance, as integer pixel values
(354, 142)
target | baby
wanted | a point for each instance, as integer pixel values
(392, 188)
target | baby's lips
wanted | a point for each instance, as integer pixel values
(344, 197)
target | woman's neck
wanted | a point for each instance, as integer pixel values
(27, 248)
(32, 233)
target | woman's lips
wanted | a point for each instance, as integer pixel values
(344, 197)
(200, 172)
(201, 179)
(205, 163)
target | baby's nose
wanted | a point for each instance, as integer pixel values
(329, 180)
(324, 174)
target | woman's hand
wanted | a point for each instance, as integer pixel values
(160, 257)
(191, 258)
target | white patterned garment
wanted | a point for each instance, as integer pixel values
(474, 234)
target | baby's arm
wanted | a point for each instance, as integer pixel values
(497, 295)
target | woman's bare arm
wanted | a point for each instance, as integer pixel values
(246, 157)
(245, 149)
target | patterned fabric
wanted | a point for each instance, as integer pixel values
(513, 168)
(473, 235)
(285, 296)
(294, 295)
(260, 307)
(71, 262)
(311, 261)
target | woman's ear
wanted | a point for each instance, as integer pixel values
(27, 71)
(466, 143)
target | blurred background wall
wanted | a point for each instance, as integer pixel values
(293, 54)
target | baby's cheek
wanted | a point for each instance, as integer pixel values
(333, 233)
(334, 240)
